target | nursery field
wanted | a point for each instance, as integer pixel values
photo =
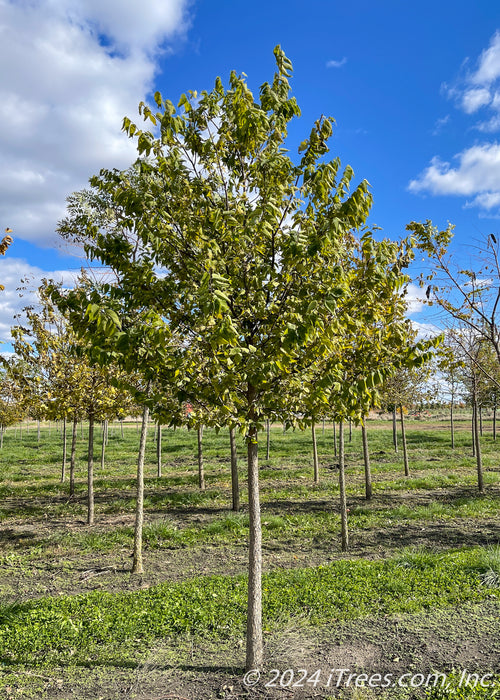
(416, 595)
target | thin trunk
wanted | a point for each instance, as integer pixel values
(81, 429)
(254, 652)
(343, 501)
(72, 458)
(158, 451)
(472, 427)
(334, 438)
(366, 457)
(495, 420)
(234, 471)
(315, 454)
(479, 461)
(452, 426)
(201, 470)
(350, 430)
(394, 429)
(63, 468)
(2, 431)
(323, 431)
(481, 421)
(104, 441)
(90, 473)
(403, 440)
(38, 432)
(139, 506)
(121, 428)
(268, 438)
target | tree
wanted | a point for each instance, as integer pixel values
(469, 297)
(218, 236)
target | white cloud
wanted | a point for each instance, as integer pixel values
(75, 69)
(477, 174)
(426, 331)
(336, 64)
(474, 99)
(478, 171)
(16, 273)
(414, 297)
(440, 124)
(489, 63)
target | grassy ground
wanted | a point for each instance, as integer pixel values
(417, 593)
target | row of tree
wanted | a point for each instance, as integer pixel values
(237, 281)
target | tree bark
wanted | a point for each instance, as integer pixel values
(495, 420)
(481, 421)
(472, 426)
(366, 457)
(343, 500)
(315, 454)
(158, 452)
(403, 440)
(201, 470)
(268, 438)
(72, 458)
(334, 438)
(350, 430)
(63, 467)
(254, 650)
(394, 429)
(452, 426)
(90, 473)
(234, 471)
(137, 567)
(479, 460)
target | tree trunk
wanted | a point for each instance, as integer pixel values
(201, 470)
(350, 430)
(315, 454)
(139, 506)
(2, 431)
(343, 501)
(38, 431)
(158, 451)
(268, 438)
(121, 428)
(334, 438)
(452, 426)
(254, 652)
(479, 460)
(495, 420)
(403, 440)
(366, 457)
(63, 468)
(234, 471)
(481, 421)
(90, 473)
(72, 458)
(323, 432)
(394, 429)
(472, 426)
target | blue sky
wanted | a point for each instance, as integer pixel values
(414, 89)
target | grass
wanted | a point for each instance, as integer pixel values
(100, 627)
(44, 538)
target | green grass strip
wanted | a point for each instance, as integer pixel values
(102, 627)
